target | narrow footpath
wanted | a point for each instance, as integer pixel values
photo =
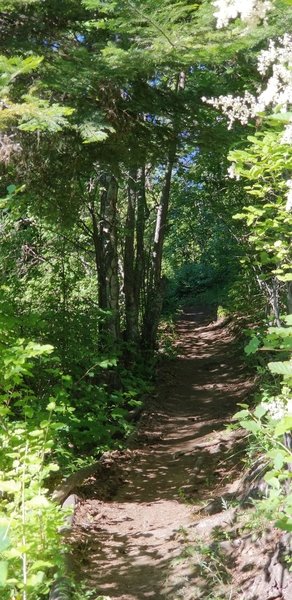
(132, 525)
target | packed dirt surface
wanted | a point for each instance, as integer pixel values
(146, 519)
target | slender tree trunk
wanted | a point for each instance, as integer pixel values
(131, 307)
(64, 308)
(289, 297)
(108, 236)
(156, 285)
(104, 235)
(141, 216)
(100, 271)
(271, 291)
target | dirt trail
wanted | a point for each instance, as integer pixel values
(126, 546)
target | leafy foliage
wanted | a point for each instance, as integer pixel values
(262, 164)
(270, 424)
(29, 521)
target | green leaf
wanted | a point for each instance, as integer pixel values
(283, 426)
(37, 433)
(284, 117)
(38, 115)
(281, 368)
(109, 362)
(36, 579)
(53, 467)
(34, 349)
(279, 458)
(252, 426)
(11, 189)
(252, 346)
(38, 502)
(11, 487)
(105, 7)
(41, 564)
(241, 414)
(94, 131)
(285, 523)
(3, 572)
(272, 480)
(260, 411)
(269, 475)
(4, 539)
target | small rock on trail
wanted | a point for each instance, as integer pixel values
(127, 540)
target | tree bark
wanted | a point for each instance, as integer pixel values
(141, 216)
(131, 306)
(156, 284)
(104, 235)
(108, 236)
(289, 297)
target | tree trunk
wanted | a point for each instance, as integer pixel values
(275, 301)
(131, 307)
(141, 215)
(156, 285)
(104, 234)
(289, 297)
(108, 236)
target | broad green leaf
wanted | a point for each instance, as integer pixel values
(279, 458)
(34, 349)
(53, 467)
(252, 426)
(241, 414)
(41, 564)
(269, 475)
(281, 368)
(51, 405)
(252, 346)
(11, 189)
(260, 411)
(37, 433)
(272, 480)
(11, 487)
(285, 523)
(284, 425)
(36, 579)
(38, 502)
(4, 539)
(284, 117)
(3, 572)
(109, 362)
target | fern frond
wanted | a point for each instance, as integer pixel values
(94, 131)
(35, 114)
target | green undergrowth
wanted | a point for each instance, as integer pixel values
(210, 566)
(51, 423)
(167, 337)
(269, 421)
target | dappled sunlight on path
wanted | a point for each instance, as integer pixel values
(125, 547)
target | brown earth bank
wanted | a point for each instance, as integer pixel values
(160, 520)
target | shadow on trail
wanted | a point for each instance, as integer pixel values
(181, 455)
(132, 570)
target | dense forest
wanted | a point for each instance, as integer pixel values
(145, 165)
